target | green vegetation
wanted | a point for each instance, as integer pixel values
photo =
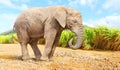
(101, 38)
(94, 38)
(10, 38)
(65, 37)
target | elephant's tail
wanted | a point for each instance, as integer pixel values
(12, 36)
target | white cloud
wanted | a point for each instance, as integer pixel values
(25, 1)
(7, 21)
(9, 17)
(9, 3)
(89, 3)
(112, 4)
(88, 24)
(113, 21)
(110, 21)
(22, 7)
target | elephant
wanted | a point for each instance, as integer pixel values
(47, 23)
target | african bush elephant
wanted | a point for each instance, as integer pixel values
(48, 23)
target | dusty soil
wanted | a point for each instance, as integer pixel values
(63, 59)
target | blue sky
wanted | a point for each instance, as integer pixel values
(94, 12)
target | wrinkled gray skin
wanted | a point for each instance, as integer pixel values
(47, 22)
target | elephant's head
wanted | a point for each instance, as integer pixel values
(71, 19)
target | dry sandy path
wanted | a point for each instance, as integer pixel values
(63, 59)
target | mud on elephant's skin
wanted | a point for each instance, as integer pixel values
(47, 22)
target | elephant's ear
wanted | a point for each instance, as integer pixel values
(60, 16)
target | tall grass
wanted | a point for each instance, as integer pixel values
(94, 38)
(11, 38)
(65, 37)
(106, 38)
(100, 37)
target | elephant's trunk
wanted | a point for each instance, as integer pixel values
(79, 40)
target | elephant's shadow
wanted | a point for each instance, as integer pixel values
(12, 57)
(15, 57)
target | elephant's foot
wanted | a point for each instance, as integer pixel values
(44, 59)
(38, 57)
(25, 57)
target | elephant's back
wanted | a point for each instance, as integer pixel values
(31, 19)
(32, 16)
(39, 12)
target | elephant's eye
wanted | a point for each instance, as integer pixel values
(75, 21)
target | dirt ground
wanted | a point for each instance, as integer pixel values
(63, 59)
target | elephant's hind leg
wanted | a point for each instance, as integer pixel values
(35, 49)
(23, 39)
(24, 50)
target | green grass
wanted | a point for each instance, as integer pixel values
(102, 38)
(65, 37)
(99, 37)
(4, 39)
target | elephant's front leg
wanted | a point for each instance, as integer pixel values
(54, 44)
(35, 49)
(49, 38)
